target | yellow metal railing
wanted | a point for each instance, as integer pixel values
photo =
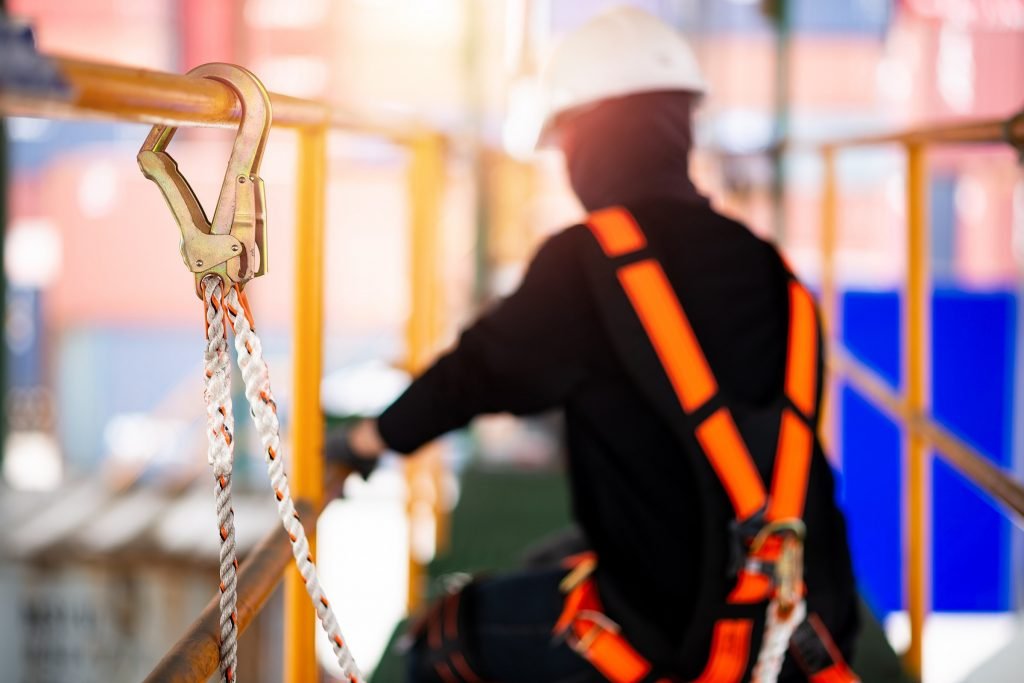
(423, 473)
(307, 417)
(126, 94)
(911, 406)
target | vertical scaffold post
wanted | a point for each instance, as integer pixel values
(829, 296)
(307, 427)
(917, 361)
(424, 472)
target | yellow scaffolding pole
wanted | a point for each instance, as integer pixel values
(307, 429)
(424, 473)
(917, 355)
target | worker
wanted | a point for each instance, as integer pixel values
(683, 352)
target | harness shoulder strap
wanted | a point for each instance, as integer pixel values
(796, 437)
(683, 360)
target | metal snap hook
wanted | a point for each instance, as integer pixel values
(233, 245)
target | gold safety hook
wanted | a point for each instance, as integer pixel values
(234, 245)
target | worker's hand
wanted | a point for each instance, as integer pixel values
(358, 447)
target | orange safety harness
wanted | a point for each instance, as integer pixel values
(768, 522)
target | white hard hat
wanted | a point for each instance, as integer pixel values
(621, 52)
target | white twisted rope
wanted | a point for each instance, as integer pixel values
(263, 409)
(777, 634)
(220, 426)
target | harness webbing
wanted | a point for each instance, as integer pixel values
(730, 648)
(656, 305)
(612, 656)
(772, 571)
(686, 367)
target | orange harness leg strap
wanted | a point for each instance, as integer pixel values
(776, 512)
(597, 639)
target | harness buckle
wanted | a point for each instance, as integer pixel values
(233, 246)
(584, 566)
(600, 622)
(789, 564)
(742, 535)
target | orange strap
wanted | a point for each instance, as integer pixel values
(802, 352)
(616, 231)
(731, 460)
(792, 466)
(605, 648)
(796, 441)
(730, 649)
(686, 367)
(837, 673)
(751, 587)
(670, 333)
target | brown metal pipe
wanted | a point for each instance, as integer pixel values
(196, 655)
(128, 94)
(962, 457)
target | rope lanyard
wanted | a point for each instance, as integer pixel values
(228, 251)
(256, 376)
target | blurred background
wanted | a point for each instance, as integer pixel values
(109, 544)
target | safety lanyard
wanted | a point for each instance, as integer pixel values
(224, 254)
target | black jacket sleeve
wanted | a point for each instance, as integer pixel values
(524, 356)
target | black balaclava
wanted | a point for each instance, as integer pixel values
(631, 149)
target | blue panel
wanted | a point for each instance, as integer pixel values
(970, 547)
(871, 323)
(972, 366)
(871, 448)
(871, 473)
(973, 371)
